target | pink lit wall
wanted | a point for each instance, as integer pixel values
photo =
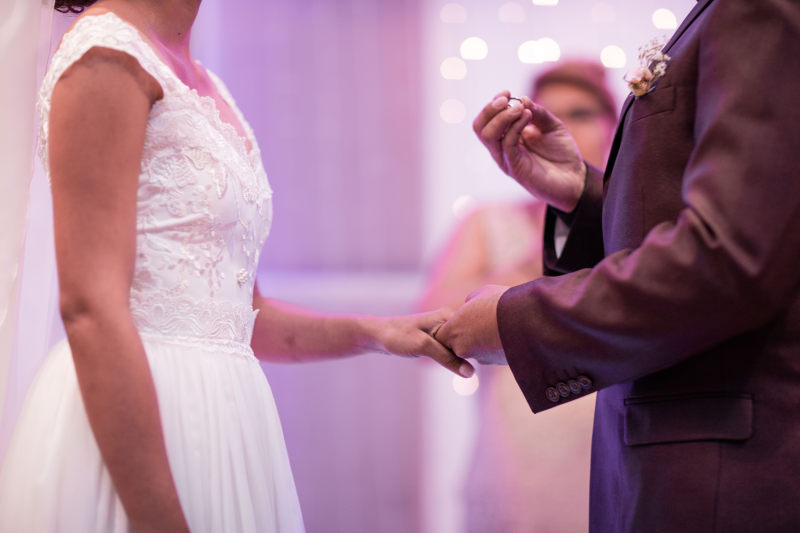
(334, 92)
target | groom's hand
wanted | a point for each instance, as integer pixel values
(532, 146)
(413, 336)
(472, 331)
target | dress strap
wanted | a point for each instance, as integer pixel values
(107, 31)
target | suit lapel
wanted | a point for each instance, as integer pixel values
(693, 14)
(612, 156)
(690, 18)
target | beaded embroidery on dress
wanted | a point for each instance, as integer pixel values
(204, 210)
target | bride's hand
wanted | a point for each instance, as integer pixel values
(412, 336)
(532, 146)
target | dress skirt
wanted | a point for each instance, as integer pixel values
(223, 436)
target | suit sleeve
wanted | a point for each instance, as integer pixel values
(584, 246)
(726, 265)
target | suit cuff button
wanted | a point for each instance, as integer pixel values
(574, 387)
(585, 383)
(563, 389)
(552, 395)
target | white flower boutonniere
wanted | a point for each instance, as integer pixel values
(652, 66)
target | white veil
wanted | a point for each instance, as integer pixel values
(29, 321)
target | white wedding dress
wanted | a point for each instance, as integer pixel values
(204, 211)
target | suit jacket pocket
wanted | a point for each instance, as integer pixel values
(660, 100)
(689, 417)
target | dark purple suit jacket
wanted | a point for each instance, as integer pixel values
(680, 294)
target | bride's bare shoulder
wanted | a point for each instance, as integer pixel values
(102, 65)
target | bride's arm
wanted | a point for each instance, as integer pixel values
(289, 333)
(97, 126)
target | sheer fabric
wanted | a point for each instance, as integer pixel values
(27, 265)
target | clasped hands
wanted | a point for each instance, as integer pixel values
(448, 337)
(471, 331)
(532, 146)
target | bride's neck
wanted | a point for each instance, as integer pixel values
(173, 21)
(168, 21)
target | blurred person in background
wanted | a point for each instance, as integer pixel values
(527, 473)
(678, 300)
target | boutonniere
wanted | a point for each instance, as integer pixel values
(652, 67)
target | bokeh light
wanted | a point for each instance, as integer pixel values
(474, 48)
(453, 13)
(613, 56)
(550, 49)
(539, 51)
(453, 68)
(465, 386)
(530, 52)
(664, 19)
(545, 2)
(512, 13)
(463, 205)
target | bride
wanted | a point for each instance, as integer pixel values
(154, 414)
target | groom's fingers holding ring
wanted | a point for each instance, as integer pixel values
(494, 129)
(498, 103)
(488, 129)
(512, 136)
(494, 132)
(543, 119)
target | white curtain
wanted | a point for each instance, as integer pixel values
(27, 302)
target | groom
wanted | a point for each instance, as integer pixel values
(679, 299)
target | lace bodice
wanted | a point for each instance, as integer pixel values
(204, 204)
